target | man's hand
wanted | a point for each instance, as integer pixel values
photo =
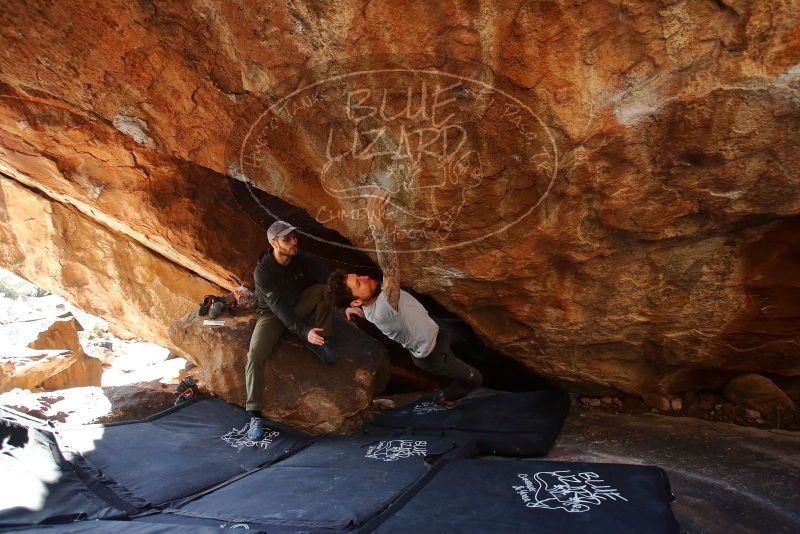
(353, 312)
(314, 337)
(376, 206)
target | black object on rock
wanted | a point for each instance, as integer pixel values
(208, 303)
(187, 390)
(323, 352)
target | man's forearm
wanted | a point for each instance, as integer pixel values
(387, 261)
(387, 257)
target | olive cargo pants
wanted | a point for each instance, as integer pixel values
(268, 331)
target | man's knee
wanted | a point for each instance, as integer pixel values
(309, 299)
(475, 378)
(257, 354)
(261, 348)
(312, 294)
(431, 363)
(317, 291)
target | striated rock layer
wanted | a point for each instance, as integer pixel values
(605, 191)
(97, 269)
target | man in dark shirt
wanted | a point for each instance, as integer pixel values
(290, 294)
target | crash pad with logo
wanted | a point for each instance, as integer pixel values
(338, 483)
(505, 424)
(133, 527)
(505, 495)
(178, 452)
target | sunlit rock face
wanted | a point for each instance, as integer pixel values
(607, 192)
(107, 273)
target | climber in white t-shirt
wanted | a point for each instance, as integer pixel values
(399, 315)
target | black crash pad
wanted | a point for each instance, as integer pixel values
(488, 495)
(506, 424)
(38, 484)
(133, 527)
(178, 452)
(338, 483)
(165, 519)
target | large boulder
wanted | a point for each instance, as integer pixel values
(84, 371)
(624, 216)
(56, 333)
(47, 353)
(298, 388)
(759, 393)
(21, 367)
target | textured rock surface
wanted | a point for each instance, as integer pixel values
(60, 333)
(96, 268)
(46, 353)
(84, 371)
(759, 393)
(661, 258)
(25, 368)
(298, 388)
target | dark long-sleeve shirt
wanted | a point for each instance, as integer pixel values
(278, 287)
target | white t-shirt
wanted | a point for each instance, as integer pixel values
(411, 326)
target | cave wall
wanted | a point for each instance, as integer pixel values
(659, 256)
(97, 269)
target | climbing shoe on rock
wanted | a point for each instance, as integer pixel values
(216, 309)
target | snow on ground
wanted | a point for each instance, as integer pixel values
(124, 361)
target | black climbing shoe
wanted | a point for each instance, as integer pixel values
(216, 309)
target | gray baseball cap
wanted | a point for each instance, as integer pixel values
(278, 229)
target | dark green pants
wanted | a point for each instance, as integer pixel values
(268, 331)
(442, 362)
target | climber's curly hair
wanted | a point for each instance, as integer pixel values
(336, 290)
